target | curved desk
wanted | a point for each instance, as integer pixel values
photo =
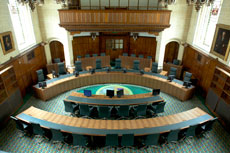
(104, 100)
(96, 127)
(67, 82)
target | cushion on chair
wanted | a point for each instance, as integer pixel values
(187, 76)
(40, 75)
(61, 68)
(154, 67)
(78, 66)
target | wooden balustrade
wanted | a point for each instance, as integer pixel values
(115, 20)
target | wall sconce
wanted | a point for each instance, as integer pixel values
(93, 35)
(135, 35)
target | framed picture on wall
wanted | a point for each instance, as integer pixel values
(7, 42)
(221, 43)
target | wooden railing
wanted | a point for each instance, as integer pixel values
(115, 20)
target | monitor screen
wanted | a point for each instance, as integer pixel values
(187, 84)
(92, 71)
(87, 93)
(142, 72)
(156, 92)
(110, 93)
(171, 77)
(40, 84)
(120, 92)
(76, 73)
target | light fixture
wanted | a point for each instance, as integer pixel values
(93, 35)
(135, 35)
(199, 3)
(33, 3)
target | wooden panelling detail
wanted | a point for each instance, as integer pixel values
(171, 51)
(143, 45)
(85, 45)
(114, 53)
(25, 69)
(57, 50)
(115, 20)
(202, 66)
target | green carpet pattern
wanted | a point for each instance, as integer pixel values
(218, 140)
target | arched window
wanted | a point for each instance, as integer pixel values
(22, 24)
(206, 25)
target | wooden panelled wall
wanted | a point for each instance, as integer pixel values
(202, 66)
(85, 45)
(25, 66)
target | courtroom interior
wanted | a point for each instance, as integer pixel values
(114, 76)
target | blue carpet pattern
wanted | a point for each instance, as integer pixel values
(218, 140)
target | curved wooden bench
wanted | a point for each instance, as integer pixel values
(95, 127)
(68, 82)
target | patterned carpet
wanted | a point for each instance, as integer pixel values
(218, 140)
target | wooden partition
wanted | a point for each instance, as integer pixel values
(25, 66)
(115, 20)
(91, 61)
(85, 45)
(127, 62)
(202, 66)
(167, 66)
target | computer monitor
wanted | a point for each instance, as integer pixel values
(87, 93)
(40, 84)
(142, 72)
(110, 93)
(76, 73)
(120, 92)
(156, 92)
(187, 84)
(107, 69)
(170, 78)
(92, 71)
(44, 85)
(124, 70)
(53, 74)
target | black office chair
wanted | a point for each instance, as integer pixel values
(123, 111)
(172, 137)
(127, 141)
(70, 107)
(104, 112)
(85, 110)
(25, 129)
(40, 75)
(57, 60)
(80, 141)
(61, 68)
(39, 132)
(57, 137)
(139, 111)
(151, 141)
(205, 127)
(111, 140)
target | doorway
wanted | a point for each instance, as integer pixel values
(171, 51)
(57, 50)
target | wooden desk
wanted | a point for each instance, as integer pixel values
(127, 62)
(165, 73)
(50, 76)
(147, 98)
(91, 61)
(96, 127)
(167, 66)
(72, 82)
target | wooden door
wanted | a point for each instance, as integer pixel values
(114, 45)
(57, 50)
(171, 51)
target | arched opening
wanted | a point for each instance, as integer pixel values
(171, 51)
(57, 50)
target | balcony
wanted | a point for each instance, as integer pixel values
(153, 21)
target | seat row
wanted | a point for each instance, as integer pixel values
(93, 55)
(134, 55)
(114, 140)
(115, 112)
